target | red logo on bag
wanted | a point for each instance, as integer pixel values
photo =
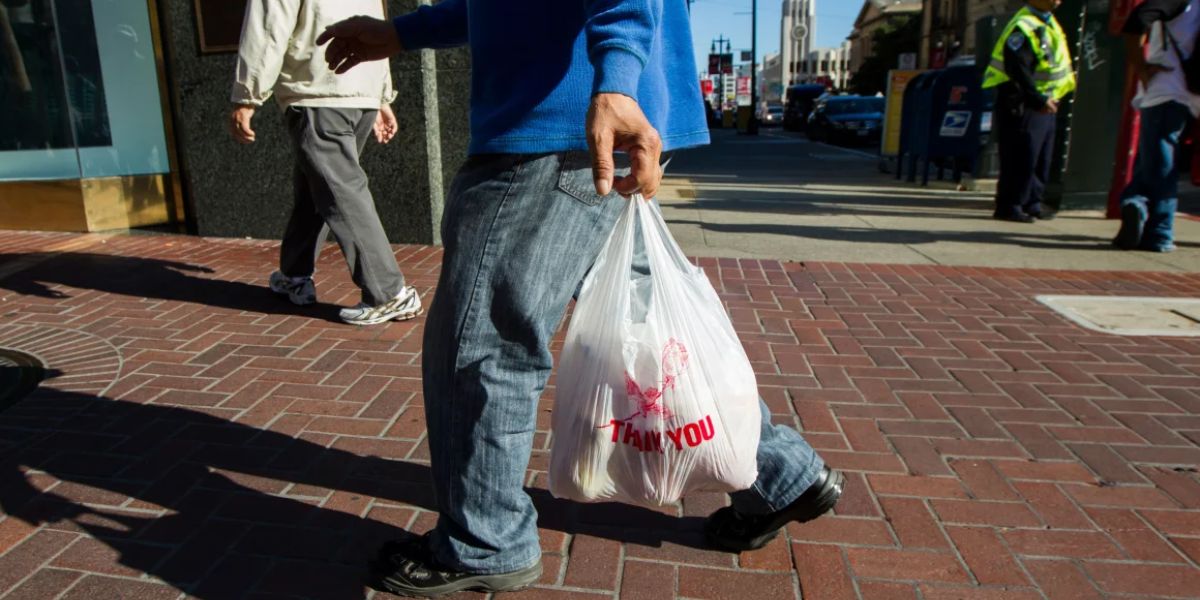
(650, 403)
(674, 362)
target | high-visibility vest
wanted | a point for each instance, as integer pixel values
(1055, 75)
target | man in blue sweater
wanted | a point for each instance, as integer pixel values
(552, 80)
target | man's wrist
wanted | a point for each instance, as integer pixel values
(607, 96)
(618, 71)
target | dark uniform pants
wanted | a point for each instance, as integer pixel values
(1026, 149)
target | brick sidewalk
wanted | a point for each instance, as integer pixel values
(203, 439)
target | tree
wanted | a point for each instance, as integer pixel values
(900, 36)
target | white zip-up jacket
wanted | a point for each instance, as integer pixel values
(278, 55)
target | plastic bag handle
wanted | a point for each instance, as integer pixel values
(657, 236)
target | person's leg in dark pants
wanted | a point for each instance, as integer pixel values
(1041, 142)
(1016, 165)
(301, 244)
(305, 232)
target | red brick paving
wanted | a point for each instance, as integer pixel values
(242, 447)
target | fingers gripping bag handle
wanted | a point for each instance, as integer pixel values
(655, 396)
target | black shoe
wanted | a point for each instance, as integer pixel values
(407, 568)
(727, 529)
(1017, 218)
(1133, 225)
(1045, 215)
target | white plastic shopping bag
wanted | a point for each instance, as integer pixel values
(655, 395)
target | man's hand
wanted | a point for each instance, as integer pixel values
(1146, 71)
(616, 122)
(239, 123)
(1051, 107)
(357, 40)
(385, 125)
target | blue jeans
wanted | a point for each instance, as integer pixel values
(1153, 194)
(520, 232)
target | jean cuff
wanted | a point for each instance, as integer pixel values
(759, 501)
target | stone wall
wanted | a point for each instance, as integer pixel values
(235, 191)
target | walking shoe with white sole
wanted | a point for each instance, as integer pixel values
(406, 305)
(728, 529)
(407, 568)
(300, 290)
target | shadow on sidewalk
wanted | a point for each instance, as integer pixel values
(1033, 239)
(819, 205)
(147, 278)
(227, 531)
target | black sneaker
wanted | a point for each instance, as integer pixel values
(1133, 224)
(727, 529)
(1015, 218)
(407, 568)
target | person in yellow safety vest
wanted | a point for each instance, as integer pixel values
(1032, 70)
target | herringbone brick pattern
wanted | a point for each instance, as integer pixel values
(204, 440)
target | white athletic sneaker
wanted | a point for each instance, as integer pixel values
(300, 290)
(406, 305)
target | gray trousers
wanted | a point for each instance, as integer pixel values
(331, 194)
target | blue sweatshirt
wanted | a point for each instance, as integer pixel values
(537, 63)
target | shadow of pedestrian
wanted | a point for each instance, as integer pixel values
(221, 510)
(1034, 239)
(146, 278)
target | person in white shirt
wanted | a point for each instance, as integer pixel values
(1159, 35)
(330, 118)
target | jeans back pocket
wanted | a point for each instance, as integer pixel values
(575, 176)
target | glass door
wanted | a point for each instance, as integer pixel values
(79, 91)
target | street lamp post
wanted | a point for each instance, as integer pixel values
(719, 46)
(752, 128)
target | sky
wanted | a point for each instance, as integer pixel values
(711, 18)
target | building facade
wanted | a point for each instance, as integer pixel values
(948, 27)
(828, 66)
(770, 79)
(797, 31)
(872, 17)
(113, 116)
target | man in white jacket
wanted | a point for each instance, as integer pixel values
(330, 118)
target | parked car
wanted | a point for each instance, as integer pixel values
(799, 103)
(847, 119)
(772, 116)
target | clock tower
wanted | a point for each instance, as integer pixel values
(796, 34)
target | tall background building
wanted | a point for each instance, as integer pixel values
(797, 32)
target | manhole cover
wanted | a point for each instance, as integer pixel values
(20, 374)
(1173, 317)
